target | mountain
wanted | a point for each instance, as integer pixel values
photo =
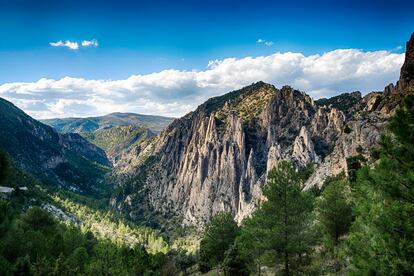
(117, 140)
(217, 157)
(91, 124)
(68, 160)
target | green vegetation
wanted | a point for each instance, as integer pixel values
(106, 226)
(86, 240)
(348, 103)
(382, 238)
(334, 219)
(4, 166)
(117, 138)
(91, 124)
(60, 160)
(218, 237)
(34, 243)
(248, 105)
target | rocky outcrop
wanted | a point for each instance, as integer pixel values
(217, 158)
(303, 149)
(362, 136)
(393, 95)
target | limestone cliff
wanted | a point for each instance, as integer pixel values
(217, 157)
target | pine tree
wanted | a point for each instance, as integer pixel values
(334, 215)
(4, 166)
(335, 211)
(234, 263)
(382, 237)
(219, 235)
(253, 240)
(287, 217)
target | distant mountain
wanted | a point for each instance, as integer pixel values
(117, 140)
(68, 160)
(91, 124)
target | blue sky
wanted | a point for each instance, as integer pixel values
(145, 38)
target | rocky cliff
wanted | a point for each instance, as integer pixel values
(217, 157)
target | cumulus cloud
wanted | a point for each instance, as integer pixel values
(88, 43)
(176, 92)
(265, 42)
(73, 45)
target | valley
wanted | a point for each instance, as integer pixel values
(212, 191)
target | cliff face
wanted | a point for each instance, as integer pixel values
(217, 157)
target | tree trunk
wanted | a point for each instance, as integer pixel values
(286, 264)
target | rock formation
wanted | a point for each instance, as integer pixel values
(217, 157)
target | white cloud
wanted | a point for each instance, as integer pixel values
(88, 43)
(73, 45)
(265, 42)
(176, 92)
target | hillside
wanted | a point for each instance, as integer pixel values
(117, 140)
(67, 160)
(91, 124)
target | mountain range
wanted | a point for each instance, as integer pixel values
(213, 159)
(91, 124)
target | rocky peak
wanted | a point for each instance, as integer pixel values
(217, 157)
(406, 81)
(387, 102)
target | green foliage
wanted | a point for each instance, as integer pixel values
(334, 217)
(91, 124)
(219, 235)
(348, 103)
(335, 211)
(282, 225)
(382, 238)
(34, 243)
(354, 163)
(253, 240)
(286, 217)
(234, 263)
(107, 226)
(4, 166)
(117, 138)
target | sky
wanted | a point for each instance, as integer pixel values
(85, 58)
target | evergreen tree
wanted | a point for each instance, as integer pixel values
(22, 266)
(334, 216)
(234, 263)
(219, 235)
(253, 240)
(335, 212)
(4, 166)
(382, 237)
(287, 217)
